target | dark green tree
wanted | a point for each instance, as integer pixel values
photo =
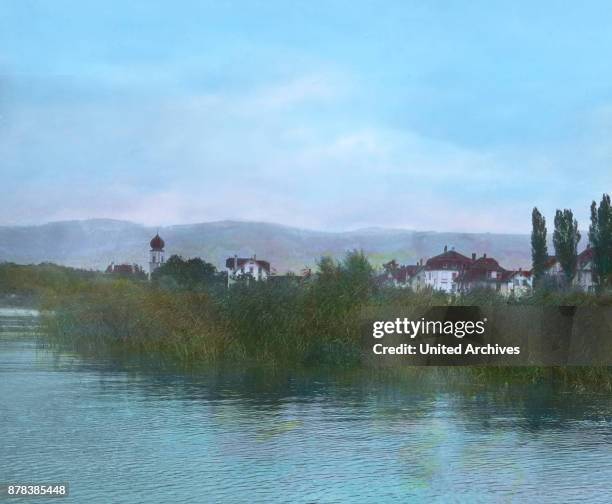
(357, 275)
(190, 274)
(600, 238)
(539, 249)
(565, 239)
(341, 285)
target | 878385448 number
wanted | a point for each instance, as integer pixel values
(34, 490)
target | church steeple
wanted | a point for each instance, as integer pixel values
(156, 254)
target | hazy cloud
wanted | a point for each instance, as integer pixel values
(410, 122)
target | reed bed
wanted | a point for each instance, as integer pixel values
(289, 323)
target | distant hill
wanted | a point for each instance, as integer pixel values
(95, 243)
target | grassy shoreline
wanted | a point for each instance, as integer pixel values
(273, 324)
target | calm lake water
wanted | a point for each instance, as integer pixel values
(124, 433)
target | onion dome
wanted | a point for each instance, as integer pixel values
(157, 243)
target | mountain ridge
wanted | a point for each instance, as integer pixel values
(94, 243)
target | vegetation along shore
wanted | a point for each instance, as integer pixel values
(187, 314)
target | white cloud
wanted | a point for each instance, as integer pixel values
(270, 154)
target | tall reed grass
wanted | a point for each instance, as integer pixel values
(278, 323)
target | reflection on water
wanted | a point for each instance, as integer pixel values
(128, 434)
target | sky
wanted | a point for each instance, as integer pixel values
(336, 115)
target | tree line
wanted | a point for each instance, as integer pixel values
(566, 237)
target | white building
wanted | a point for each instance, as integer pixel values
(248, 268)
(156, 254)
(441, 271)
(452, 272)
(516, 283)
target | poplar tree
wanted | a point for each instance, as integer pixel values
(600, 238)
(565, 239)
(539, 249)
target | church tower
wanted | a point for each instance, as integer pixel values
(156, 255)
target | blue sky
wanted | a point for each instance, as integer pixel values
(331, 115)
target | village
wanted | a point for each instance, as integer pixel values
(450, 272)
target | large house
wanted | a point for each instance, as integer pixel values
(452, 272)
(442, 271)
(247, 268)
(484, 272)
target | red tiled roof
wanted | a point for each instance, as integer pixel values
(123, 269)
(480, 271)
(448, 260)
(487, 263)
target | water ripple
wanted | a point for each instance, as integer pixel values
(121, 436)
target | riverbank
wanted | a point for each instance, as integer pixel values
(290, 324)
(182, 336)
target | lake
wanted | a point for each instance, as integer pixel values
(128, 432)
